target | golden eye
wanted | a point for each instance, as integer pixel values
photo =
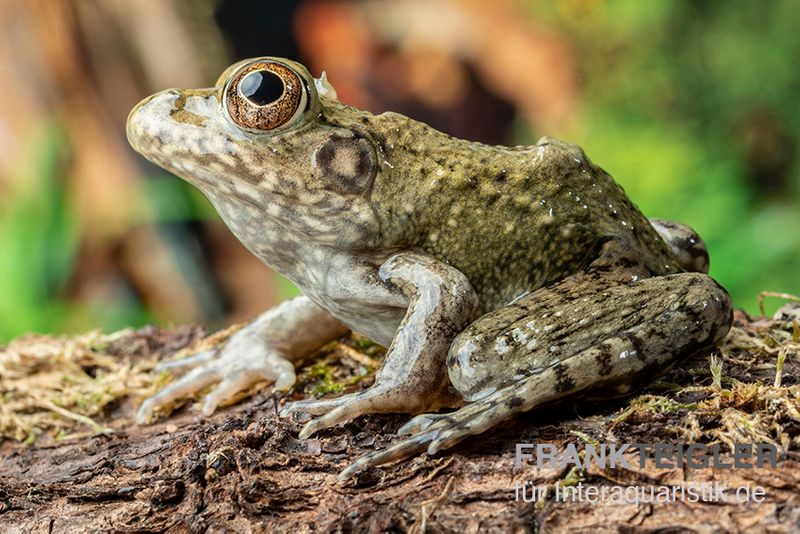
(265, 96)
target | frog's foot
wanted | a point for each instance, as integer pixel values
(414, 375)
(640, 337)
(408, 396)
(687, 246)
(434, 432)
(234, 367)
(248, 357)
(377, 399)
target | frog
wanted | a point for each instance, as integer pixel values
(500, 279)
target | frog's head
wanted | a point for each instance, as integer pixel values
(262, 138)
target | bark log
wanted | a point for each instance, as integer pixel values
(244, 469)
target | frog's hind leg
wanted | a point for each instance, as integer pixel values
(616, 338)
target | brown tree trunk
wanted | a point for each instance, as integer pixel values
(244, 469)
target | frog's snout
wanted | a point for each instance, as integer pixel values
(146, 121)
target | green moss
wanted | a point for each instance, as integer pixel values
(325, 382)
(654, 404)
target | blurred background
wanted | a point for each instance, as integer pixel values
(692, 106)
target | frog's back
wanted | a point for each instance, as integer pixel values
(511, 219)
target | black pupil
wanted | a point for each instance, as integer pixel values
(261, 87)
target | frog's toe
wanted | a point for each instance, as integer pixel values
(312, 406)
(332, 418)
(195, 380)
(420, 423)
(435, 432)
(444, 439)
(429, 441)
(190, 362)
(228, 388)
(398, 451)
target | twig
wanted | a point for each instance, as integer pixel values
(88, 421)
(430, 506)
(764, 294)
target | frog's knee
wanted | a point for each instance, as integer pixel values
(492, 350)
(708, 305)
(688, 248)
(477, 359)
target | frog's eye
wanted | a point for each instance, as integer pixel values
(265, 96)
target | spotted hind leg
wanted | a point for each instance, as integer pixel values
(643, 329)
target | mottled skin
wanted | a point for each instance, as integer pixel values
(500, 278)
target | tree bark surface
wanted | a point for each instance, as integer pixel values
(244, 469)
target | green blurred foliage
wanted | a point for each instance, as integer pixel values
(666, 91)
(38, 239)
(39, 242)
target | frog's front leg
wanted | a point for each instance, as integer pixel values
(586, 336)
(413, 378)
(263, 350)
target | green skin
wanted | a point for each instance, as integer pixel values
(500, 278)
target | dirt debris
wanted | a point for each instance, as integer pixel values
(71, 458)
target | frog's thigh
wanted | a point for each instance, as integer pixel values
(562, 342)
(621, 334)
(413, 377)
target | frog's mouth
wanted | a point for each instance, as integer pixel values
(186, 133)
